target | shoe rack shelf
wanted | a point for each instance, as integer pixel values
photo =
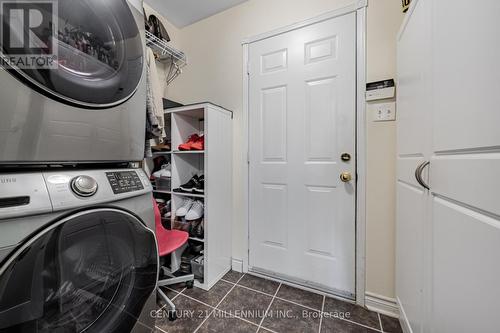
(197, 239)
(189, 195)
(166, 153)
(189, 152)
(180, 194)
(215, 163)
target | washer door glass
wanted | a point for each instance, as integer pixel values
(91, 272)
(97, 47)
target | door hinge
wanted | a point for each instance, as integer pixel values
(248, 68)
(248, 158)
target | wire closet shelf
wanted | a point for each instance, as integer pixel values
(166, 53)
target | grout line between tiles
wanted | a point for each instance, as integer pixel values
(159, 328)
(353, 322)
(223, 298)
(268, 329)
(295, 303)
(176, 295)
(268, 307)
(216, 307)
(380, 322)
(204, 320)
(322, 311)
(158, 311)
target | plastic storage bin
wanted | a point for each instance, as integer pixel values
(197, 267)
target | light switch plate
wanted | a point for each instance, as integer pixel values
(384, 111)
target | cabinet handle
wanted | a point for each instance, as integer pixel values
(418, 174)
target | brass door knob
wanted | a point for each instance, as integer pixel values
(345, 177)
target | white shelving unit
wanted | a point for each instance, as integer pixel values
(215, 163)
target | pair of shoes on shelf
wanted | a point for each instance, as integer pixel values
(195, 185)
(165, 171)
(194, 142)
(197, 230)
(161, 147)
(191, 210)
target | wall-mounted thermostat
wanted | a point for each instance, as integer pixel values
(380, 90)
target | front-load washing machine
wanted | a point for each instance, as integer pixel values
(88, 105)
(77, 252)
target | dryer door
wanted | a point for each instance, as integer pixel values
(86, 53)
(92, 272)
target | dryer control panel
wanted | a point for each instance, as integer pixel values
(124, 181)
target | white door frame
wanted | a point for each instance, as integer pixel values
(358, 7)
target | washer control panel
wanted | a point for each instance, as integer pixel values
(124, 181)
(73, 189)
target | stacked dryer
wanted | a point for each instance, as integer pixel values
(77, 247)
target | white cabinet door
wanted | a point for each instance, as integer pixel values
(465, 166)
(414, 146)
(448, 271)
(302, 119)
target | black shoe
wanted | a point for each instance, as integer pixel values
(191, 184)
(200, 188)
(192, 228)
(198, 231)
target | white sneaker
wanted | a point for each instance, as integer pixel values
(184, 209)
(165, 171)
(196, 211)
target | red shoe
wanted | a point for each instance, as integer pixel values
(188, 145)
(199, 144)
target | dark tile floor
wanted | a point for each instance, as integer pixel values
(245, 303)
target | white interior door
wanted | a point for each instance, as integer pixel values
(302, 97)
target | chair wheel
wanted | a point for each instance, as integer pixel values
(172, 315)
(190, 284)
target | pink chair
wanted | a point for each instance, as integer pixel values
(173, 243)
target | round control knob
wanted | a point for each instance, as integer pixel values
(84, 186)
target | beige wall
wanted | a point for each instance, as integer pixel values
(383, 21)
(214, 74)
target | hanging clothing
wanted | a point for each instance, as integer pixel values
(156, 88)
(155, 122)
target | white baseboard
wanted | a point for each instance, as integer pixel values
(237, 265)
(382, 304)
(403, 320)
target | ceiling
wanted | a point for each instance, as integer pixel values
(185, 12)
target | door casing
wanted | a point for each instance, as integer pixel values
(358, 7)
